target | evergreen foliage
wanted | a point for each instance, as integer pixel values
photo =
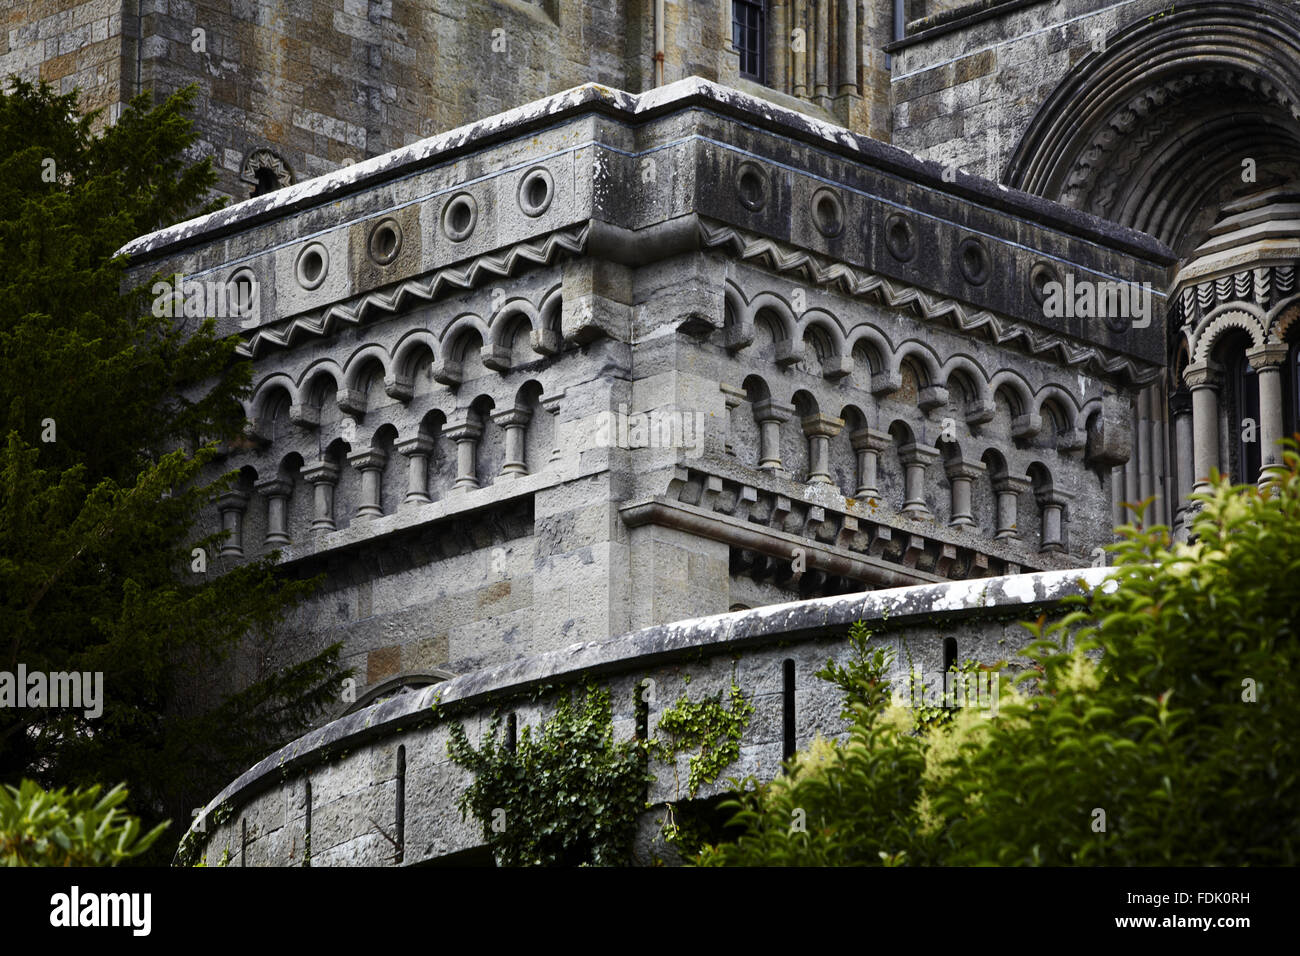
(39, 828)
(96, 525)
(568, 796)
(1157, 727)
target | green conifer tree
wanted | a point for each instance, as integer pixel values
(112, 423)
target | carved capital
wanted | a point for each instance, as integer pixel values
(236, 500)
(513, 416)
(323, 471)
(1202, 375)
(869, 439)
(370, 458)
(1010, 484)
(465, 431)
(352, 401)
(770, 411)
(980, 412)
(1049, 496)
(306, 416)
(1026, 426)
(732, 395)
(956, 468)
(821, 424)
(419, 445)
(914, 454)
(1270, 355)
(495, 357)
(931, 397)
(275, 488)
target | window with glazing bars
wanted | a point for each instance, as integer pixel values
(749, 37)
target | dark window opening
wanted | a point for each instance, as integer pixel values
(1244, 425)
(949, 665)
(749, 37)
(787, 710)
(266, 182)
(1291, 392)
(306, 826)
(641, 706)
(949, 653)
(401, 804)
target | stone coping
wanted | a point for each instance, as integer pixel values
(957, 18)
(714, 635)
(591, 98)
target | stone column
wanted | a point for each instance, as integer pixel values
(732, 396)
(1180, 406)
(1267, 361)
(960, 474)
(820, 429)
(1009, 489)
(466, 436)
(868, 444)
(799, 55)
(416, 451)
(515, 422)
(770, 416)
(821, 45)
(1052, 505)
(551, 405)
(1203, 380)
(276, 491)
(232, 505)
(847, 50)
(371, 465)
(915, 459)
(324, 478)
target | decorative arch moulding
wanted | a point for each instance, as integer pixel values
(999, 329)
(777, 257)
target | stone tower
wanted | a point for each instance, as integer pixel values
(598, 341)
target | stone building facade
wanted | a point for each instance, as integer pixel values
(576, 322)
(609, 361)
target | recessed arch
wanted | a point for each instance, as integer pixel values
(921, 357)
(1062, 404)
(1214, 326)
(1151, 131)
(275, 396)
(362, 364)
(1012, 385)
(414, 352)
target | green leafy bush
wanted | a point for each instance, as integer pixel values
(81, 828)
(568, 796)
(1157, 726)
(704, 724)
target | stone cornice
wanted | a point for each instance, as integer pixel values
(998, 329)
(817, 513)
(631, 108)
(540, 251)
(742, 245)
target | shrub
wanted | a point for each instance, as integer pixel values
(81, 828)
(1157, 725)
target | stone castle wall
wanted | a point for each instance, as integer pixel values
(449, 339)
(325, 83)
(454, 393)
(71, 45)
(339, 786)
(966, 87)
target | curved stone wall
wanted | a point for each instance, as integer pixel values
(338, 789)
